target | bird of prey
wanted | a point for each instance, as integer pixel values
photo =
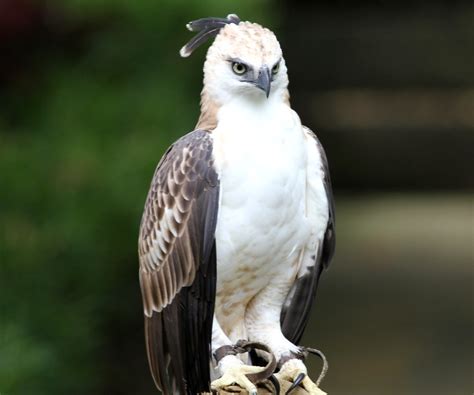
(237, 227)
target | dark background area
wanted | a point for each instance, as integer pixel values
(93, 92)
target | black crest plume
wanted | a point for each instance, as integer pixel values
(206, 28)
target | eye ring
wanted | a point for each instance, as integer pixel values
(239, 68)
(276, 68)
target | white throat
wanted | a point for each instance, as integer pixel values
(253, 113)
(252, 133)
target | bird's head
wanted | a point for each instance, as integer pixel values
(244, 60)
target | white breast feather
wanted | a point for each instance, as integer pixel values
(265, 222)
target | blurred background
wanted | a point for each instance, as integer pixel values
(92, 92)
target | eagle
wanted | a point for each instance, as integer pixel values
(237, 227)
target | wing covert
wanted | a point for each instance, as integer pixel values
(177, 264)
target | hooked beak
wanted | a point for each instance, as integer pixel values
(264, 80)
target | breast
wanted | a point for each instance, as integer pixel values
(261, 225)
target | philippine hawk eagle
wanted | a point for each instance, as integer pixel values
(238, 223)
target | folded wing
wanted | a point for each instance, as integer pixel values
(319, 251)
(178, 265)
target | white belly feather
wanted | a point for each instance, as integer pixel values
(262, 227)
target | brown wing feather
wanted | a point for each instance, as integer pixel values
(177, 265)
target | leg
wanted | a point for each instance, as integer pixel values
(262, 320)
(231, 367)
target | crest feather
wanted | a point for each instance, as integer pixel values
(206, 28)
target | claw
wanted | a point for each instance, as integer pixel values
(296, 383)
(295, 371)
(275, 383)
(271, 385)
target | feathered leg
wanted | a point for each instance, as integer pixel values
(262, 320)
(232, 369)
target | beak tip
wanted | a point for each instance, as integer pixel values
(264, 80)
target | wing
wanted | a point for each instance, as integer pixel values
(178, 265)
(318, 253)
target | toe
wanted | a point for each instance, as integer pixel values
(295, 371)
(237, 375)
(311, 387)
(245, 383)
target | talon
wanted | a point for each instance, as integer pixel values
(295, 371)
(271, 385)
(275, 383)
(296, 383)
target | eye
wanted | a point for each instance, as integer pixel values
(276, 68)
(239, 68)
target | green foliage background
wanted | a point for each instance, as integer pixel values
(94, 91)
(77, 151)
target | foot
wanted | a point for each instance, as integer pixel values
(295, 371)
(234, 372)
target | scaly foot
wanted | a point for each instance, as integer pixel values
(295, 371)
(234, 372)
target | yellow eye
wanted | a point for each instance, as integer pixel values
(239, 68)
(276, 68)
